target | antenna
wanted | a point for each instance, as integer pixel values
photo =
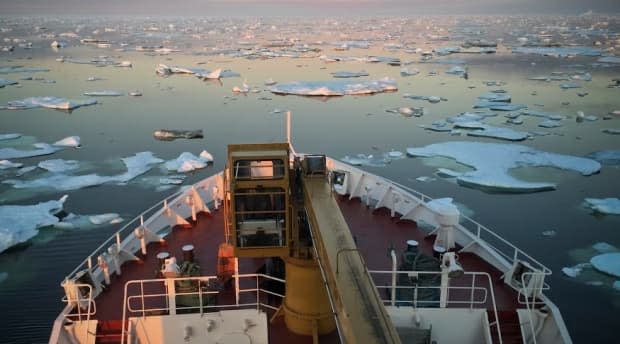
(288, 127)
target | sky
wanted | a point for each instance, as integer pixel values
(305, 7)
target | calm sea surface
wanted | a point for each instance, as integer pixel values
(122, 126)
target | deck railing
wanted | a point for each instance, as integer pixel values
(156, 220)
(457, 296)
(373, 189)
(161, 296)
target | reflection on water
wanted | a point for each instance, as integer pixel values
(122, 126)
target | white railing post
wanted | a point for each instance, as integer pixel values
(394, 267)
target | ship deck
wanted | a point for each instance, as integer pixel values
(375, 233)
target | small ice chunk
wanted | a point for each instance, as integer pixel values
(609, 59)
(172, 180)
(104, 93)
(186, 162)
(12, 136)
(59, 165)
(18, 223)
(425, 179)
(206, 156)
(169, 135)
(608, 263)
(549, 124)
(103, 218)
(70, 141)
(485, 130)
(573, 271)
(6, 164)
(604, 205)
(409, 72)
(25, 170)
(616, 285)
(604, 247)
(495, 97)
(345, 74)
(549, 233)
(611, 131)
(48, 102)
(6, 82)
(456, 70)
(41, 149)
(498, 106)
(393, 154)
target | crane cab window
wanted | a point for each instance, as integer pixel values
(259, 169)
(260, 216)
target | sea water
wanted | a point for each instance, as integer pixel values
(122, 126)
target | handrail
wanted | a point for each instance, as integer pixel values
(202, 282)
(127, 230)
(477, 230)
(471, 301)
(92, 306)
(530, 305)
(480, 228)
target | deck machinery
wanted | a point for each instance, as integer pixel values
(282, 205)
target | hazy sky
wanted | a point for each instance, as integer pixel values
(305, 7)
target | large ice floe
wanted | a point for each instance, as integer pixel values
(187, 162)
(19, 223)
(136, 165)
(40, 148)
(609, 206)
(335, 87)
(48, 102)
(597, 265)
(492, 162)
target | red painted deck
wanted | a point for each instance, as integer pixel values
(374, 231)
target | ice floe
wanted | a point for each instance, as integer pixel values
(136, 165)
(492, 161)
(608, 263)
(365, 160)
(498, 105)
(6, 164)
(345, 74)
(59, 165)
(457, 70)
(41, 148)
(485, 130)
(169, 135)
(334, 88)
(187, 162)
(6, 82)
(19, 223)
(48, 102)
(606, 157)
(12, 136)
(104, 93)
(21, 69)
(110, 218)
(558, 51)
(609, 206)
